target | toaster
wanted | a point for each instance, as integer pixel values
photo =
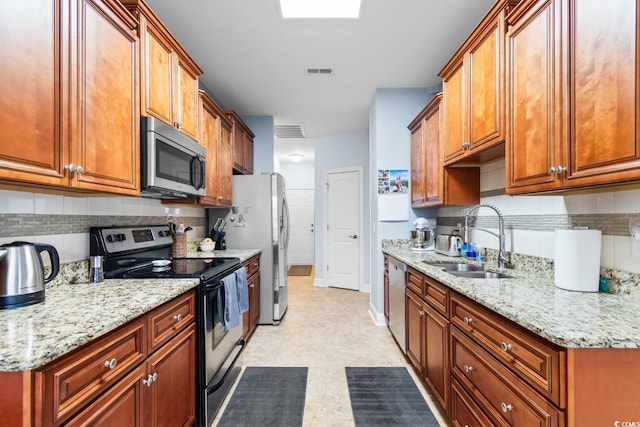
(448, 244)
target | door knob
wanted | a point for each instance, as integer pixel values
(353, 236)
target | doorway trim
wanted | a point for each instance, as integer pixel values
(325, 239)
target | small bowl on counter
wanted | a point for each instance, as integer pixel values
(207, 246)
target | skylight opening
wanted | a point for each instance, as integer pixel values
(320, 8)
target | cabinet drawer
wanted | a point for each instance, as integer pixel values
(415, 281)
(505, 397)
(464, 411)
(437, 295)
(73, 381)
(253, 266)
(169, 319)
(536, 361)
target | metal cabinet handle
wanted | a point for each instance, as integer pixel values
(252, 285)
(70, 167)
(147, 381)
(561, 169)
(177, 317)
(111, 363)
(421, 313)
(468, 368)
(552, 170)
(79, 169)
(506, 408)
(467, 320)
(505, 347)
(154, 377)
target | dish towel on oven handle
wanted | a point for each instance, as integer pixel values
(231, 315)
(243, 289)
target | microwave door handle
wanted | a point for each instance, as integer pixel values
(201, 174)
(197, 173)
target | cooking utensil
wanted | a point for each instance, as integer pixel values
(22, 276)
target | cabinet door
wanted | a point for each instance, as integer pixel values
(454, 107)
(436, 355)
(171, 396)
(485, 91)
(254, 300)
(414, 333)
(122, 405)
(248, 155)
(156, 66)
(417, 170)
(534, 134)
(209, 131)
(433, 170)
(186, 84)
(225, 165)
(603, 140)
(106, 121)
(31, 125)
(238, 147)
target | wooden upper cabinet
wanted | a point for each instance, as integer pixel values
(473, 86)
(31, 125)
(105, 131)
(433, 184)
(573, 95)
(242, 140)
(169, 77)
(75, 102)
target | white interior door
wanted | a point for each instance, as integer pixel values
(301, 244)
(344, 210)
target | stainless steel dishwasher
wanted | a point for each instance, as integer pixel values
(397, 284)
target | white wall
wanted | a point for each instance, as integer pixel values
(390, 113)
(332, 152)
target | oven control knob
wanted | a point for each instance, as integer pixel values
(112, 238)
(122, 237)
(163, 233)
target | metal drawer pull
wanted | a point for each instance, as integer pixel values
(177, 317)
(468, 368)
(111, 363)
(467, 320)
(505, 347)
(154, 377)
(421, 313)
(150, 379)
(506, 408)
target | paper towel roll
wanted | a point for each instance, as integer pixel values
(577, 259)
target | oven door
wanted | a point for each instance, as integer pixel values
(173, 165)
(218, 344)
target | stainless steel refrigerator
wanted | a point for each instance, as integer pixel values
(260, 219)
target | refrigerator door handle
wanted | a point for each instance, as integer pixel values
(286, 213)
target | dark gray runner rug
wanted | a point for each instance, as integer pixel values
(387, 397)
(267, 396)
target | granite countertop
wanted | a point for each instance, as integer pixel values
(73, 315)
(567, 318)
(243, 254)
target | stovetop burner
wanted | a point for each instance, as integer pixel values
(134, 251)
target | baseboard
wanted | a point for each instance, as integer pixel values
(378, 318)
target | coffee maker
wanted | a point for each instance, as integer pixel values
(423, 235)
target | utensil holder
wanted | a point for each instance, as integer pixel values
(179, 247)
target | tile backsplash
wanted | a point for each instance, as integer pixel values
(530, 221)
(64, 221)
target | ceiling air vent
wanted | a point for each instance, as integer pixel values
(320, 71)
(288, 131)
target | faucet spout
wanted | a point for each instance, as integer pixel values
(503, 259)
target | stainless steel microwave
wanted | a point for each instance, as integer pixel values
(172, 164)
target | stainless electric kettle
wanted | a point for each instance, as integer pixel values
(22, 273)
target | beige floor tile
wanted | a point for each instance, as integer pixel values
(326, 330)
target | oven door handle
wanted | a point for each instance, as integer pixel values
(213, 286)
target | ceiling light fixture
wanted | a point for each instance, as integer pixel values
(320, 8)
(296, 157)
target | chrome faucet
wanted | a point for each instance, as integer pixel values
(503, 259)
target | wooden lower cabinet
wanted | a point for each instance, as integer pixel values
(116, 380)
(251, 317)
(414, 333)
(464, 411)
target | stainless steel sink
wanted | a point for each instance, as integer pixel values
(455, 267)
(469, 271)
(479, 274)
